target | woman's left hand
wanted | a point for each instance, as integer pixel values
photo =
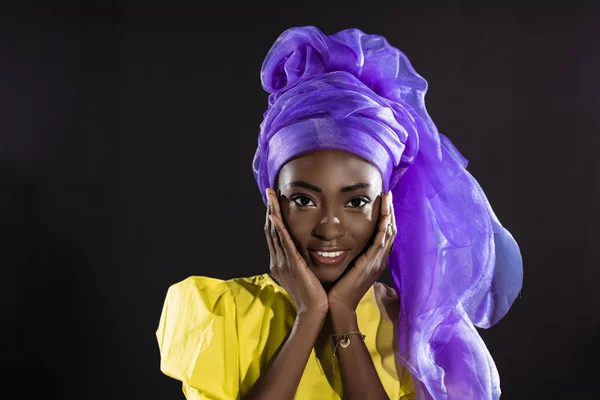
(351, 288)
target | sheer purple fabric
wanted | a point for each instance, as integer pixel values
(454, 266)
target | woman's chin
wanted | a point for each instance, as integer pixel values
(328, 275)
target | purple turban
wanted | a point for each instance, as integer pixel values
(453, 264)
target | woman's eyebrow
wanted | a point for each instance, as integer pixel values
(361, 185)
(305, 185)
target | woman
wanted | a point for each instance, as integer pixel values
(355, 177)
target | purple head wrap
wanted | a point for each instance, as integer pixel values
(453, 264)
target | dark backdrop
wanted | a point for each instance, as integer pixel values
(127, 135)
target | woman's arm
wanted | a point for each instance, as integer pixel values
(285, 370)
(290, 270)
(359, 377)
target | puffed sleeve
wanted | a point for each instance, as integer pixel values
(197, 338)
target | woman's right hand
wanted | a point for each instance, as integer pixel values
(289, 268)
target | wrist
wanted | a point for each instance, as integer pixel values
(341, 309)
(340, 304)
(343, 319)
(314, 319)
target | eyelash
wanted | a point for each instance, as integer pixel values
(363, 199)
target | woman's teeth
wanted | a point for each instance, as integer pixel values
(330, 254)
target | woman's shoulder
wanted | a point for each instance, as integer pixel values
(250, 298)
(210, 290)
(203, 282)
(195, 328)
(197, 289)
(247, 290)
(199, 298)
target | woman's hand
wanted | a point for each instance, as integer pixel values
(351, 288)
(289, 268)
(281, 379)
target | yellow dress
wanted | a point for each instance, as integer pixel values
(218, 336)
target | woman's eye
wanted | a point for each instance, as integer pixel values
(303, 201)
(357, 203)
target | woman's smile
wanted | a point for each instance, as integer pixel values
(329, 258)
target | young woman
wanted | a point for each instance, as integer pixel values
(356, 178)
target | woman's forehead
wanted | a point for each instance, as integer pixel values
(330, 168)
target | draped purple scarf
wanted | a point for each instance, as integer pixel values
(454, 266)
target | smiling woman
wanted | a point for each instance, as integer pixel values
(356, 179)
(331, 217)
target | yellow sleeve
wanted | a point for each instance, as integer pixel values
(197, 338)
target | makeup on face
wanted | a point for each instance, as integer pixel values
(330, 203)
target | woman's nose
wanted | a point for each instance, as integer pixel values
(329, 227)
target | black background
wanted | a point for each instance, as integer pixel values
(127, 136)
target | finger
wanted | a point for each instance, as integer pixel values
(390, 227)
(286, 241)
(276, 210)
(393, 227)
(289, 247)
(268, 235)
(279, 253)
(382, 241)
(384, 219)
(386, 205)
(276, 240)
(393, 215)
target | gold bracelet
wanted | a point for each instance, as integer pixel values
(343, 341)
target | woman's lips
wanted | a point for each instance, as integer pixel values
(329, 261)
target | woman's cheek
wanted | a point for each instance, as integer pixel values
(362, 225)
(298, 223)
(368, 214)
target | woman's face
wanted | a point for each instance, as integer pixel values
(330, 203)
